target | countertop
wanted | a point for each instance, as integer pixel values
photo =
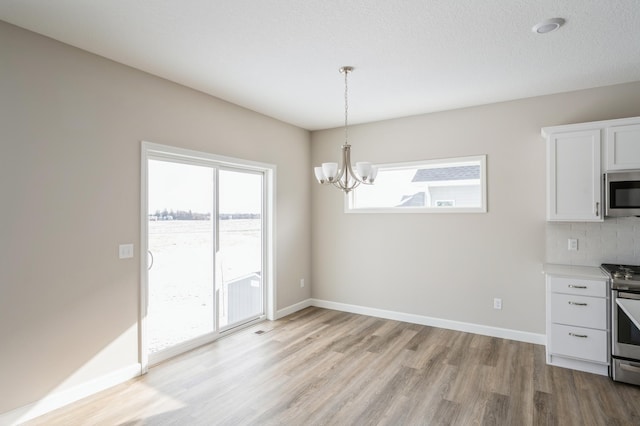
(592, 272)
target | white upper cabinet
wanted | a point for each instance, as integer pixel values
(574, 188)
(623, 147)
(577, 157)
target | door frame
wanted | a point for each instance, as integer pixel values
(150, 150)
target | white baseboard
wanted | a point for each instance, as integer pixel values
(485, 330)
(293, 308)
(60, 399)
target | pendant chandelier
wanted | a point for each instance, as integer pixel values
(343, 176)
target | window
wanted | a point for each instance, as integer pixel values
(444, 185)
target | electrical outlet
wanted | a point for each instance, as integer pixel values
(497, 303)
(572, 244)
(301, 282)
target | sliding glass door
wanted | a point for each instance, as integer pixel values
(241, 293)
(181, 249)
(205, 235)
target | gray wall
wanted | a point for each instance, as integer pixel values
(451, 266)
(71, 125)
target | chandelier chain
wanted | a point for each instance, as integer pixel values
(346, 108)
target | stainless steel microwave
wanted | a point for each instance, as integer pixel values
(622, 194)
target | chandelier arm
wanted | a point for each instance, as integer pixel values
(342, 184)
(346, 189)
(348, 167)
(338, 185)
(350, 182)
(341, 172)
(354, 175)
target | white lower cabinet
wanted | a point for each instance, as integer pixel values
(577, 323)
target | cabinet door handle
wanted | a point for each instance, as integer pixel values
(597, 208)
(582, 336)
(577, 286)
(577, 303)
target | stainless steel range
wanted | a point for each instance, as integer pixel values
(625, 322)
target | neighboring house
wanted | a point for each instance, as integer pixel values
(456, 186)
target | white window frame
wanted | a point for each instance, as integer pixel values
(482, 159)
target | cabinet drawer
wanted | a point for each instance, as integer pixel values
(579, 286)
(578, 342)
(582, 311)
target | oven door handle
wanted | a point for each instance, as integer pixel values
(630, 367)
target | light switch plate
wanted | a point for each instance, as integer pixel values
(125, 251)
(572, 244)
(497, 303)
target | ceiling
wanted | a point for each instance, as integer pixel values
(281, 57)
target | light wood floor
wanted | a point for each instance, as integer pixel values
(319, 367)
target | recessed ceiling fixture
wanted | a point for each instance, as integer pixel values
(344, 177)
(548, 25)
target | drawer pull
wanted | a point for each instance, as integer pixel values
(577, 303)
(577, 286)
(582, 336)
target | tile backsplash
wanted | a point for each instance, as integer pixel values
(611, 241)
